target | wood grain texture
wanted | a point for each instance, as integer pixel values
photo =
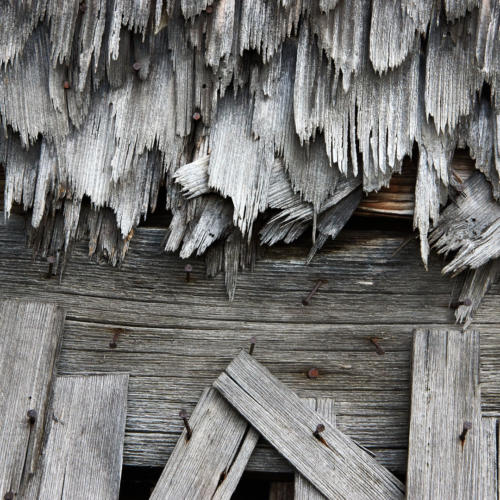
(281, 490)
(489, 458)
(211, 462)
(445, 395)
(83, 454)
(303, 489)
(176, 337)
(30, 335)
(335, 465)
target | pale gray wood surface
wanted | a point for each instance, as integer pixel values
(445, 395)
(83, 455)
(178, 336)
(489, 458)
(335, 465)
(211, 462)
(30, 335)
(303, 489)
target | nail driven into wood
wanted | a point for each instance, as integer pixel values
(66, 85)
(317, 433)
(253, 340)
(306, 301)
(188, 268)
(31, 414)
(114, 341)
(467, 427)
(375, 341)
(196, 116)
(313, 373)
(183, 415)
(137, 66)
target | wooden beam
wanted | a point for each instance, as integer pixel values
(209, 463)
(83, 454)
(331, 461)
(445, 404)
(304, 490)
(30, 335)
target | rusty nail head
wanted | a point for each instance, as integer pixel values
(196, 116)
(319, 429)
(188, 268)
(466, 428)
(137, 66)
(9, 495)
(31, 414)
(66, 85)
(313, 373)
(253, 340)
(378, 347)
(183, 415)
(305, 301)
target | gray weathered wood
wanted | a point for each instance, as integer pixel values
(337, 468)
(30, 335)
(445, 394)
(303, 489)
(211, 462)
(489, 458)
(174, 345)
(82, 457)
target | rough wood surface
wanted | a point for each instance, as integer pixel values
(30, 336)
(211, 462)
(489, 458)
(176, 337)
(281, 490)
(445, 396)
(82, 457)
(303, 489)
(334, 464)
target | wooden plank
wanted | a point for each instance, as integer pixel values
(303, 489)
(489, 458)
(337, 468)
(281, 490)
(210, 463)
(30, 335)
(83, 454)
(446, 396)
(370, 292)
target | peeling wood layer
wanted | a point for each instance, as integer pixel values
(237, 108)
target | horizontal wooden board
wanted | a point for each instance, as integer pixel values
(191, 326)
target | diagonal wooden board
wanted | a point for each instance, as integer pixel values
(304, 490)
(337, 467)
(82, 457)
(211, 463)
(30, 335)
(445, 394)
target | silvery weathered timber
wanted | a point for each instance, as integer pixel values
(30, 335)
(330, 460)
(82, 456)
(210, 455)
(303, 489)
(489, 458)
(444, 453)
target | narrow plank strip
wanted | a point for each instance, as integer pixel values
(83, 454)
(338, 468)
(281, 490)
(489, 458)
(211, 462)
(304, 490)
(30, 335)
(445, 395)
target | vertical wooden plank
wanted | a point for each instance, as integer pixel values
(82, 457)
(211, 462)
(331, 461)
(30, 335)
(281, 490)
(304, 490)
(489, 458)
(445, 397)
